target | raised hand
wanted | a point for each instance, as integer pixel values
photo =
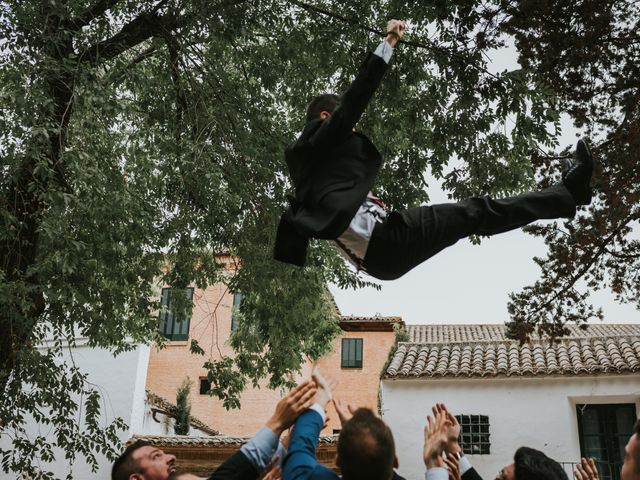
(586, 470)
(324, 387)
(345, 411)
(453, 430)
(435, 440)
(291, 406)
(453, 465)
(395, 31)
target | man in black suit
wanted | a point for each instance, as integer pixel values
(333, 169)
(143, 461)
(441, 444)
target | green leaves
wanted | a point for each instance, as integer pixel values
(140, 141)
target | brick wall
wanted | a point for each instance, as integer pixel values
(211, 326)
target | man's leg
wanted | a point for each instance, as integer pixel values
(408, 238)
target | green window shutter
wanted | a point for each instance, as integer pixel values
(351, 353)
(170, 326)
(237, 300)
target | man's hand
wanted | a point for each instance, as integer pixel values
(345, 412)
(453, 430)
(272, 471)
(290, 406)
(453, 465)
(324, 388)
(395, 31)
(586, 470)
(435, 440)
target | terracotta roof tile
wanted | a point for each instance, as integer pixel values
(470, 351)
(495, 332)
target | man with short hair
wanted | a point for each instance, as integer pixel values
(631, 466)
(366, 449)
(143, 461)
(333, 169)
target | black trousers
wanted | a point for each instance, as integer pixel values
(409, 237)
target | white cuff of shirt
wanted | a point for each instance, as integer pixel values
(437, 473)
(316, 407)
(464, 465)
(384, 51)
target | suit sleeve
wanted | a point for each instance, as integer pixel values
(301, 460)
(471, 474)
(339, 125)
(236, 467)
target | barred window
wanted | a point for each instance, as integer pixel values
(474, 434)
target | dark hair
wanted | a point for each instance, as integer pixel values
(125, 465)
(325, 102)
(532, 464)
(636, 451)
(366, 450)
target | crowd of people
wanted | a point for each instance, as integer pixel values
(365, 450)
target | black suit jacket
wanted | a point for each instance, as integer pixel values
(236, 467)
(332, 168)
(471, 474)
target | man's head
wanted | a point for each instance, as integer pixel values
(631, 466)
(365, 448)
(322, 106)
(143, 461)
(531, 464)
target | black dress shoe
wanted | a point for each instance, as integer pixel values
(577, 178)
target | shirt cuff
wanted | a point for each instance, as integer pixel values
(316, 407)
(437, 473)
(261, 448)
(384, 51)
(464, 465)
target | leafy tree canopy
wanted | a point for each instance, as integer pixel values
(137, 133)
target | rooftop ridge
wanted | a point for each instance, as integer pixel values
(510, 340)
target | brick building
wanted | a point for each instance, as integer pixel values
(358, 358)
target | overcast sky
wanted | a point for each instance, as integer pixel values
(469, 283)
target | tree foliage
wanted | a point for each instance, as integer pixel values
(183, 408)
(136, 133)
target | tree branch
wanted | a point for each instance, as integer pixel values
(145, 26)
(445, 51)
(95, 11)
(601, 249)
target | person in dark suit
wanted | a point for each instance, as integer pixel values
(333, 169)
(366, 449)
(143, 461)
(441, 438)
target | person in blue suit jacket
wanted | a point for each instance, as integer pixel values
(366, 449)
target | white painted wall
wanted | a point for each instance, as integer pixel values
(121, 382)
(536, 412)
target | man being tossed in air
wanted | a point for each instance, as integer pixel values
(333, 169)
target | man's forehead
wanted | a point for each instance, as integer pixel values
(145, 451)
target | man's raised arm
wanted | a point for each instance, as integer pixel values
(354, 101)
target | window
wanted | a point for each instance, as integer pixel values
(474, 434)
(351, 353)
(237, 300)
(205, 385)
(170, 326)
(604, 430)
